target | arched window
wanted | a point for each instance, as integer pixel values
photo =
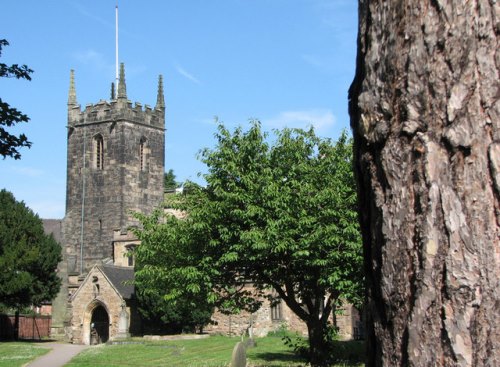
(142, 153)
(98, 152)
(130, 254)
(276, 310)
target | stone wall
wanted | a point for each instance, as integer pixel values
(349, 321)
(263, 323)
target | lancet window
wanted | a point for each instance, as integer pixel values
(98, 152)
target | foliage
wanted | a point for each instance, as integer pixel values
(159, 268)
(162, 317)
(169, 182)
(10, 116)
(280, 216)
(28, 257)
(336, 351)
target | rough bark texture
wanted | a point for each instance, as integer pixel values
(425, 116)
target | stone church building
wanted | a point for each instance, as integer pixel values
(115, 166)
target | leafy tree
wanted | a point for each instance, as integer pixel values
(10, 116)
(162, 260)
(169, 180)
(280, 216)
(28, 257)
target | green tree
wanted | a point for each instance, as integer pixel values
(169, 182)
(9, 116)
(28, 257)
(280, 216)
(162, 262)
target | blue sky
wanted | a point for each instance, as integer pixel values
(284, 62)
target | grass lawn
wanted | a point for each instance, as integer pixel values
(209, 352)
(17, 354)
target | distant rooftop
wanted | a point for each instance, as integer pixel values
(54, 227)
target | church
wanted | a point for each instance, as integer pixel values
(115, 166)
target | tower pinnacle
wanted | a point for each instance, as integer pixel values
(122, 88)
(72, 90)
(160, 99)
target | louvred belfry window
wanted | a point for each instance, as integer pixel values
(99, 152)
(142, 154)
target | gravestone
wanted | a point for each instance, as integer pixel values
(239, 357)
(123, 322)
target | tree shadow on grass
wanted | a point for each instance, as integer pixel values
(278, 358)
(347, 353)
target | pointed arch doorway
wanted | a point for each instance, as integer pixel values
(99, 325)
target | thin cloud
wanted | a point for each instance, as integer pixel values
(214, 121)
(187, 75)
(28, 171)
(314, 60)
(320, 119)
(94, 17)
(331, 13)
(323, 63)
(48, 209)
(93, 58)
(108, 22)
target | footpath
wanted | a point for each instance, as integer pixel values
(60, 354)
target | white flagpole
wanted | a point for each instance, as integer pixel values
(116, 50)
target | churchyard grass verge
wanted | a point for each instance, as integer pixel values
(17, 354)
(214, 351)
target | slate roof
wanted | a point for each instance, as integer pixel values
(118, 275)
(53, 226)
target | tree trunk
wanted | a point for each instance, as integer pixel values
(425, 116)
(318, 353)
(16, 324)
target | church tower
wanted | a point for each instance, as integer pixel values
(115, 166)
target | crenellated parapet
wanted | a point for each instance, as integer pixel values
(116, 110)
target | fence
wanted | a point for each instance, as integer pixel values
(30, 327)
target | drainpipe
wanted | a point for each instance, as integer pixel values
(83, 192)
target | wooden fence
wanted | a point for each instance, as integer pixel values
(30, 327)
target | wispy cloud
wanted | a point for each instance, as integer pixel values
(331, 13)
(328, 64)
(187, 75)
(94, 17)
(108, 22)
(48, 209)
(93, 58)
(28, 171)
(320, 119)
(322, 63)
(209, 121)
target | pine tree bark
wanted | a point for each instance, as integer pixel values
(425, 115)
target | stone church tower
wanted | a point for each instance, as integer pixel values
(115, 166)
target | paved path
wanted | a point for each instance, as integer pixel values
(60, 354)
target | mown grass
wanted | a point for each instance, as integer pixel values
(17, 354)
(214, 351)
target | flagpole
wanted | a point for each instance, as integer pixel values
(116, 49)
